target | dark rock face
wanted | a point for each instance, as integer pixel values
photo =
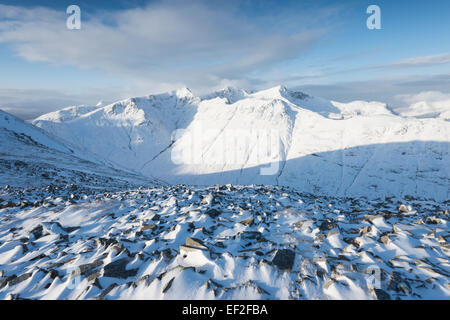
(7, 205)
(168, 285)
(146, 227)
(108, 290)
(247, 222)
(20, 278)
(197, 243)
(284, 259)
(382, 295)
(251, 235)
(213, 213)
(106, 242)
(117, 269)
(37, 232)
(84, 269)
(4, 281)
(327, 225)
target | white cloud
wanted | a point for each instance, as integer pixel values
(426, 104)
(422, 61)
(163, 44)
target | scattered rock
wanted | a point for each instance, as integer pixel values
(85, 268)
(4, 281)
(327, 225)
(37, 232)
(93, 275)
(146, 280)
(117, 269)
(433, 220)
(284, 259)
(146, 227)
(194, 242)
(253, 284)
(384, 239)
(320, 237)
(247, 222)
(186, 249)
(356, 243)
(381, 294)
(328, 284)
(167, 254)
(213, 213)
(395, 282)
(168, 285)
(365, 230)
(250, 235)
(24, 204)
(105, 242)
(53, 273)
(298, 224)
(108, 290)
(8, 205)
(20, 278)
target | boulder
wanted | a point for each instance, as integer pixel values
(213, 213)
(194, 242)
(20, 278)
(168, 285)
(146, 227)
(118, 269)
(247, 222)
(327, 225)
(381, 294)
(284, 259)
(85, 268)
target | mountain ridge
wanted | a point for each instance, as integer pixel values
(158, 135)
(31, 157)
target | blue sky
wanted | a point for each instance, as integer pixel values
(129, 48)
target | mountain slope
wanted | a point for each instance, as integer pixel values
(29, 157)
(274, 136)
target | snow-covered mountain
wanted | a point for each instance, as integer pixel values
(72, 227)
(275, 136)
(31, 158)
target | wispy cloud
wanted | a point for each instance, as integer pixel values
(169, 42)
(31, 103)
(432, 60)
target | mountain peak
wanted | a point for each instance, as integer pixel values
(184, 92)
(277, 92)
(231, 94)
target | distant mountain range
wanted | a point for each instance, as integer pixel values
(275, 136)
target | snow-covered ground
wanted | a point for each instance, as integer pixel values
(220, 242)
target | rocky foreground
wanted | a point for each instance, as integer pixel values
(219, 242)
